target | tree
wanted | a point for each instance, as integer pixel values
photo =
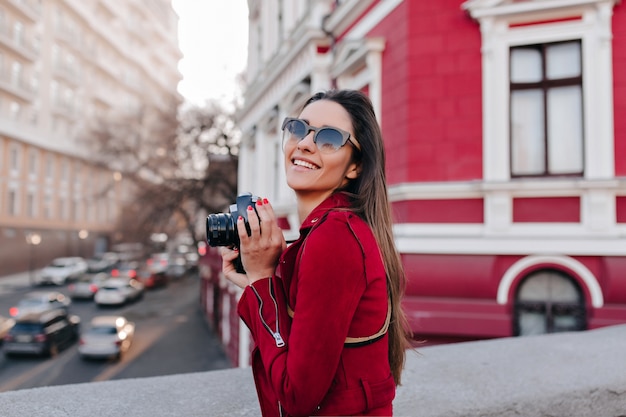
(180, 166)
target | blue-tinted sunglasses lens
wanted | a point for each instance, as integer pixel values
(329, 139)
(297, 128)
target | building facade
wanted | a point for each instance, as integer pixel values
(65, 65)
(506, 155)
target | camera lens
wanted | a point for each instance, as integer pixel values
(221, 230)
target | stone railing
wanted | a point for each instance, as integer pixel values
(568, 374)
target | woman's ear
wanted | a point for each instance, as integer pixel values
(354, 170)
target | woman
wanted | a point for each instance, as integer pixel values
(325, 311)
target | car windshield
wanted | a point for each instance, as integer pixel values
(29, 302)
(103, 330)
(26, 327)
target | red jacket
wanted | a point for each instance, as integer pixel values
(332, 281)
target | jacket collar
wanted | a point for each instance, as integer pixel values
(336, 200)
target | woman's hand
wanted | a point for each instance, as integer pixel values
(228, 267)
(260, 251)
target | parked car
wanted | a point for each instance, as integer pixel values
(118, 291)
(103, 263)
(6, 324)
(107, 336)
(125, 270)
(86, 286)
(38, 301)
(61, 270)
(42, 333)
(158, 261)
(151, 280)
(177, 267)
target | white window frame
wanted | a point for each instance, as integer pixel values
(498, 36)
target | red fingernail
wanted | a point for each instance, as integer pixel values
(239, 218)
(259, 202)
(265, 201)
(249, 208)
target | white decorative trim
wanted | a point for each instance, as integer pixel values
(468, 239)
(373, 18)
(597, 205)
(590, 281)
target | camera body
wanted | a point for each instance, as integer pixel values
(221, 228)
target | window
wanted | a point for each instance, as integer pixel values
(33, 159)
(14, 159)
(49, 167)
(15, 110)
(548, 301)
(538, 57)
(18, 33)
(546, 109)
(31, 208)
(47, 206)
(65, 168)
(63, 208)
(12, 201)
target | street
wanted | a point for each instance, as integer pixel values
(171, 337)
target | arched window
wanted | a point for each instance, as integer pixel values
(548, 301)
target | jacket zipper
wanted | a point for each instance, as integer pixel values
(275, 334)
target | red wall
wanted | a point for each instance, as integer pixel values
(432, 109)
(619, 79)
(546, 209)
(470, 210)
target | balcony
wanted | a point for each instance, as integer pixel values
(566, 374)
(18, 87)
(21, 46)
(30, 9)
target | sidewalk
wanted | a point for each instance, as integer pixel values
(15, 281)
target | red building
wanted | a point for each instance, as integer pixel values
(506, 152)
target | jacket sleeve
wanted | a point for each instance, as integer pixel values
(331, 280)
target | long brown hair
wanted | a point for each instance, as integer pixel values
(370, 201)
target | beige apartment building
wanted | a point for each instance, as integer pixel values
(65, 65)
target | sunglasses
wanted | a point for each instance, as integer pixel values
(327, 139)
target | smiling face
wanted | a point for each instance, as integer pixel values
(314, 175)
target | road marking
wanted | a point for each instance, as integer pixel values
(16, 383)
(139, 345)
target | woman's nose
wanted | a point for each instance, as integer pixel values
(307, 143)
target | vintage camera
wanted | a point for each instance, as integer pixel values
(221, 228)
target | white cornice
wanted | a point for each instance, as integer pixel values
(276, 67)
(491, 8)
(351, 54)
(345, 14)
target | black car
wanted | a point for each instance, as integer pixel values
(42, 333)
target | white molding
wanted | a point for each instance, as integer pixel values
(373, 18)
(467, 239)
(597, 299)
(519, 188)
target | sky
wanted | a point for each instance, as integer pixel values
(213, 37)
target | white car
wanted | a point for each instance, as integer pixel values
(118, 291)
(86, 286)
(61, 270)
(6, 324)
(38, 301)
(108, 336)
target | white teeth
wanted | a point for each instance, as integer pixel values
(304, 164)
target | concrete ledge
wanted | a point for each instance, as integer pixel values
(568, 374)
